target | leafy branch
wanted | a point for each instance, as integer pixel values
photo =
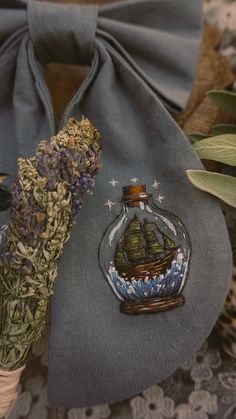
(220, 146)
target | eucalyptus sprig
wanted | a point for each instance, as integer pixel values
(220, 146)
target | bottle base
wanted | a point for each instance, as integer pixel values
(151, 305)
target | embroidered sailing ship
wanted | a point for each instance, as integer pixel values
(140, 254)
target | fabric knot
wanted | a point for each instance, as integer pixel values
(62, 33)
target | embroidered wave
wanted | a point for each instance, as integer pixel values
(162, 286)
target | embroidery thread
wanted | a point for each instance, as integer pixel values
(145, 254)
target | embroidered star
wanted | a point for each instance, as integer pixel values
(155, 184)
(109, 204)
(114, 182)
(160, 198)
(135, 180)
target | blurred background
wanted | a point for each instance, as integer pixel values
(205, 386)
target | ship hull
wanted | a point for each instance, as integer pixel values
(149, 269)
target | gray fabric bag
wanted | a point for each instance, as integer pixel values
(143, 57)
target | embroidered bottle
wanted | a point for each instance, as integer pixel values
(145, 255)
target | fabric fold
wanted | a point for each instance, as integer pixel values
(135, 29)
(54, 40)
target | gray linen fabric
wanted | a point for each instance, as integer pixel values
(143, 57)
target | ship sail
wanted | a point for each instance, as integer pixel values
(169, 244)
(134, 241)
(120, 259)
(140, 243)
(153, 246)
(139, 252)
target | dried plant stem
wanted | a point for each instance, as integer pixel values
(46, 199)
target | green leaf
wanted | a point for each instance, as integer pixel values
(221, 148)
(223, 129)
(222, 186)
(224, 99)
(196, 136)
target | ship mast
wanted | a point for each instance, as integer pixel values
(143, 251)
(134, 241)
(153, 246)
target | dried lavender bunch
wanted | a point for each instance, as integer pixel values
(46, 199)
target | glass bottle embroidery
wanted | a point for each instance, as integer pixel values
(145, 255)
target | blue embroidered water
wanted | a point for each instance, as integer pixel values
(163, 286)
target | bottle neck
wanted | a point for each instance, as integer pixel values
(141, 205)
(135, 196)
(136, 202)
